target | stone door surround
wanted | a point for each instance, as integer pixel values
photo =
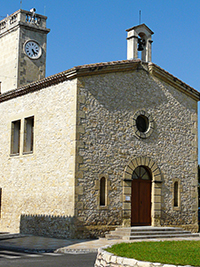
(155, 191)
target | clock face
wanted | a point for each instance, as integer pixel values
(32, 49)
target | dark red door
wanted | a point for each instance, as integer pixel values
(141, 197)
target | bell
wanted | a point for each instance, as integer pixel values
(140, 46)
(141, 43)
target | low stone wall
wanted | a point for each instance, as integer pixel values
(106, 259)
(49, 226)
(61, 227)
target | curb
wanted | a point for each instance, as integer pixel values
(24, 249)
(66, 250)
(105, 258)
(10, 236)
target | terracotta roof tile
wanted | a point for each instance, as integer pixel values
(98, 68)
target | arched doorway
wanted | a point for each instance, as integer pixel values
(141, 196)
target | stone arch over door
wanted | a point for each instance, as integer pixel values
(155, 189)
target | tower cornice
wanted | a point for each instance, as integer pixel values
(25, 19)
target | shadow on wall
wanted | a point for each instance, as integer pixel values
(62, 227)
(52, 226)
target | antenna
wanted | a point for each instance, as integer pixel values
(21, 4)
(45, 10)
(140, 14)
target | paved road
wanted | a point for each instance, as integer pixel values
(19, 259)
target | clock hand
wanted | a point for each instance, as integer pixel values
(33, 52)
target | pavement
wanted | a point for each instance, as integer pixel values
(28, 243)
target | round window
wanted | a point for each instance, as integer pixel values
(143, 124)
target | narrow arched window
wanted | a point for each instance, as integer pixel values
(103, 191)
(176, 194)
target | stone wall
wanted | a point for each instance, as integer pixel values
(106, 259)
(83, 131)
(60, 227)
(8, 65)
(16, 67)
(31, 70)
(108, 143)
(49, 226)
(41, 182)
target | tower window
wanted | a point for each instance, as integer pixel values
(15, 137)
(103, 191)
(28, 134)
(176, 194)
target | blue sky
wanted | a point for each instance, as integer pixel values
(91, 31)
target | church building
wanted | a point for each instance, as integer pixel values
(97, 146)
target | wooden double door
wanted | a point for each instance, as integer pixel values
(141, 197)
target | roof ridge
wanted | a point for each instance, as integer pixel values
(100, 68)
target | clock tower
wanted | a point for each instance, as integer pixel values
(23, 38)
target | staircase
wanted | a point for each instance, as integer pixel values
(149, 232)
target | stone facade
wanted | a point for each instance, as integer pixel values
(84, 133)
(109, 147)
(40, 182)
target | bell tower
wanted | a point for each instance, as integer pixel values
(139, 39)
(23, 38)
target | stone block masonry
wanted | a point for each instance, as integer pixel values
(16, 68)
(106, 259)
(72, 143)
(47, 225)
(84, 133)
(110, 102)
(41, 182)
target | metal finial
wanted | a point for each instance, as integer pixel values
(140, 14)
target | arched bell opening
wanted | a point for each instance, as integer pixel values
(142, 43)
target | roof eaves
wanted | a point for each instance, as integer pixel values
(84, 70)
(101, 68)
(35, 86)
(106, 67)
(174, 81)
(140, 25)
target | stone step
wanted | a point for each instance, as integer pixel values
(121, 233)
(110, 237)
(183, 235)
(4, 233)
(148, 232)
(148, 228)
(159, 236)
